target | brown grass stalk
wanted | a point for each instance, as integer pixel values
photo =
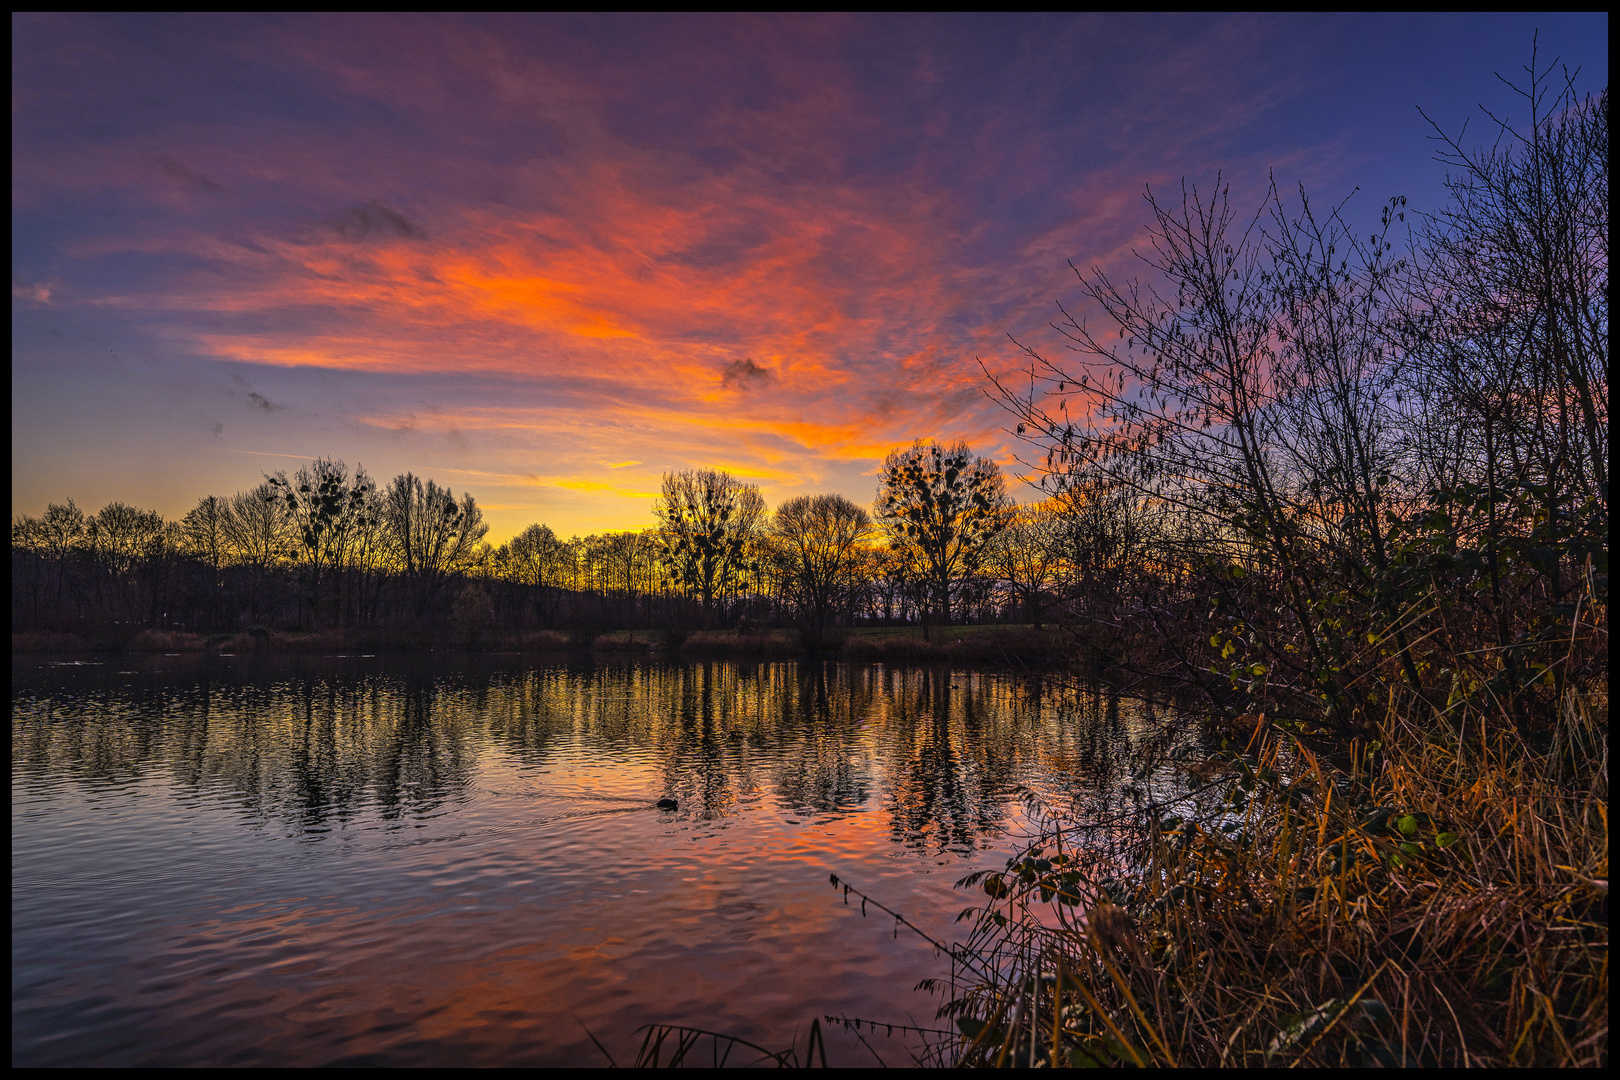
(1438, 896)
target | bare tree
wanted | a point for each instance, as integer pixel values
(942, 504)
(256, 527)
(888, 578)
(1246, 386)
(708, 522)
(818, 550)
(533, 557)
(429, 535)
(1507, 328)
(330, 515)
(62, 530)
(535, 561)
(126, 543)
(203, 536)
(1026, 555)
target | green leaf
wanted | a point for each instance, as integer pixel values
(1083, 1059)
(1408, 825)
(1445, 839)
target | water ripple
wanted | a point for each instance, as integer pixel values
(376, 861)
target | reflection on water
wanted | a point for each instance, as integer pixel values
(429, 861)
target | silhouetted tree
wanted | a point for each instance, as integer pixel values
(256, 525)
(1506, 331)
(1356, 451)
(1026, 555)
(127, 545)
(1250, 392)
(941, 505)
(204, 537)
(817, 549)
(534, 557)
(329, 516)
(534, 563)
(708, 522)
(429, 535)
(61, 531)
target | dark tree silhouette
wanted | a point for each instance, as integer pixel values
(818, 549)
(941, 505)
(708, 524)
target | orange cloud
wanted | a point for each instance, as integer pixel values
(561, 261)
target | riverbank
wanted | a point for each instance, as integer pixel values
(1022, 644)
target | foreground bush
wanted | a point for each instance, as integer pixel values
(1438, 897)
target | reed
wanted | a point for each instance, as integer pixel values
(1437, 896)
(673, 1046)
(48, 641)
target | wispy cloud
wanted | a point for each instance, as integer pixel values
(186, 177)
(372, 219)
(30, 293)
(603, 244)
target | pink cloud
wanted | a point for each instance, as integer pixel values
(567, 233)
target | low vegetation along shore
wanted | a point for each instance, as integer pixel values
(1436, 895)
(963, 644)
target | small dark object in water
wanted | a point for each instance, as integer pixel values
(668, 804)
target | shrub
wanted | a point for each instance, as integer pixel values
(1437, 897)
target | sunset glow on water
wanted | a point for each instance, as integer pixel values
(373, 861)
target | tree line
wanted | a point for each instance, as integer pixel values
(330, 548)
(1291, 464)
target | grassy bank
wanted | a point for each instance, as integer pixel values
(258, 640)
(1000, 644)
(1437, 897)
(994, 644)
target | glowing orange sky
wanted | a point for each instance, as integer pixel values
(546, 259)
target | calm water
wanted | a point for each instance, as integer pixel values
(457, 861)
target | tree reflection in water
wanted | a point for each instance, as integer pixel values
(304, 860)
(318, 746)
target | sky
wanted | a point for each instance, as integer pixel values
(546, 259)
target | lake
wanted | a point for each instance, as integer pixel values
(458, 860)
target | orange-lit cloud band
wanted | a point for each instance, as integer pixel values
(553, 257)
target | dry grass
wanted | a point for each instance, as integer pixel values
(961, 644)
(770, 643)
(1438, 898)
(140, 641)
(46, 641)
(165, 641)
(541, 641)
(623, 641)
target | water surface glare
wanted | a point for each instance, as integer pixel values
(436, 860)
